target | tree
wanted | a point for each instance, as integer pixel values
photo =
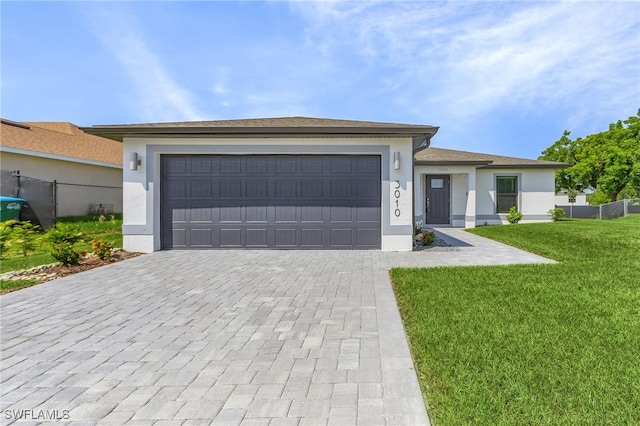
(607, 161)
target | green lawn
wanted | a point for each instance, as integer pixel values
(8, 285)
(532, 344)
(107, 230)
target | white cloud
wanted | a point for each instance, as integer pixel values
(539, 56)
(158, 97)
(466, 59)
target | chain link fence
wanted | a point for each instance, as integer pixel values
(604, 211)
(80, 199)
(40, 196)
(46, 201)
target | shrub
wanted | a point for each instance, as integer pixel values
(557, 214)
(25, 235)
(6, 228)
(426, 238)
(63, 237)
(514, 215)
(429, 238)
(64, 233)
(102, 249)
(65, 254)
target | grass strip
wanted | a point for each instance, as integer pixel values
(107, 230)
(8, 285)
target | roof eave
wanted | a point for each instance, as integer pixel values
(452, 163)
(60, 157)
(527, 166)
(423, 133)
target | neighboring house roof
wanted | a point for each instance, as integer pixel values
(434, 156)
(60, 141)
(269, 126)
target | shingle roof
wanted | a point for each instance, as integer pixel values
(282, 125)
(449, 156)
(60, 139)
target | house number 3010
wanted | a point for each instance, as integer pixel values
(396, 194)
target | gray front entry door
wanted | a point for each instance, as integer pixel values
(437, 202)
(271, 201)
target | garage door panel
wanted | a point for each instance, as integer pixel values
(311, 189)
(341, 188)
(367, 165)
(175, 165)
(256, 189)
(286, 189)
(286, 237)
(341, 237)
(201, 238)
(341, 214)
(256, 214)
(286, 214)
(179, 237)
(256, 165)
(311, 214)
(368, 215)
(230, 237)
(341, 165)
(201, 189)
(286, 165)
(311, 165)
(230, 189)
(202, 165)
(230, 165)
(367, 189)
(312, 237)
(178, 214)
(367, 237)
(262, 201)
(257, 237)
(176, 189)
(200, 214)
(230, 214)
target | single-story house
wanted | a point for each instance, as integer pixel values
(308, 183)
(87, 169)
(466, 189)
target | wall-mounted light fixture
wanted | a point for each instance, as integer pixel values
(134, 161)
(396, 160)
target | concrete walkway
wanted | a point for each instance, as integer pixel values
(223, 337)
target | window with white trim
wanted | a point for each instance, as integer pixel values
(506, 193)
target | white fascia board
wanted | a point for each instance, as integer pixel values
(58, 157)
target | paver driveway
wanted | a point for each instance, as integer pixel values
(221, 337)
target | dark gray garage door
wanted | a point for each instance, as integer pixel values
(270, 201)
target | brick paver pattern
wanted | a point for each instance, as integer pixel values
(223, 337)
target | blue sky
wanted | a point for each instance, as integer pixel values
(498, 77)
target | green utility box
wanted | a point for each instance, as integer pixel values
(10, 208)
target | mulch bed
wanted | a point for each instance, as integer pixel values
(438, 245)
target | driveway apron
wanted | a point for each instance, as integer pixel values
(223, 337)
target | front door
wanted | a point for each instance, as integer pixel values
(437, 203)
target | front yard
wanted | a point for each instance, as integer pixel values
(532, 344)
(104, 228)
